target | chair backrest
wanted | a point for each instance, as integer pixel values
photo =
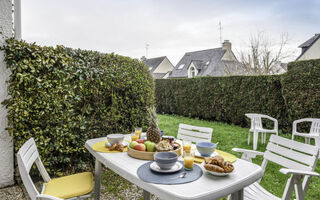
(194, 133)
(27, 156)
(315, 126)
(291, 154)
(256, 121)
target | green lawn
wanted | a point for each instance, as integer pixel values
(230, 136)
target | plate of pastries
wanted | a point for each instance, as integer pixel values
(217, 166)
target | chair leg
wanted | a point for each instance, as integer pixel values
(249, 135)
(307, 140)
(255, 140)
(264, 138)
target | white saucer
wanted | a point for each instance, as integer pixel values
(124, 143)
(175, 168)
(197, 154)
(216, 173)
(219, 174)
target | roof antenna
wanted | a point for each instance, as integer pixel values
(220, 29)
(147, 49)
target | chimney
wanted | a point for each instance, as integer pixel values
(226, 45)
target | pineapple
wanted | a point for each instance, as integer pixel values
(153, 132)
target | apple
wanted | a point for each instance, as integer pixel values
(151, 147)
(141, 141)
(146, 142)
(133, 144)
(140, 147)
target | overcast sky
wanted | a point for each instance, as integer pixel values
(170, 27)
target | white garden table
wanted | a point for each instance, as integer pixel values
(205, 188)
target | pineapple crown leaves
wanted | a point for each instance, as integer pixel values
(153, 119)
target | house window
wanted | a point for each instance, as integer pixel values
(193, 72)
(181, 66)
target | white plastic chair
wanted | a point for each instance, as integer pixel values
(299, 161)
(194, 133)
(314, 132)
(256, 128)
(27, 156)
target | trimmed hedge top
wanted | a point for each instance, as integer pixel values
(287, 97)
(63, 97)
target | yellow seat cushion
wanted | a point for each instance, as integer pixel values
(70, 186)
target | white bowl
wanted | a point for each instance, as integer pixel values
(115, 138)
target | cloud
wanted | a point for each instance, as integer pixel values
(170, 27)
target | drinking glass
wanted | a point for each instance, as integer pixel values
(138, 131)
(186, 145)
(188, 159)
(134, 136)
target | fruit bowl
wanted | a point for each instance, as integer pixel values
(144, 155)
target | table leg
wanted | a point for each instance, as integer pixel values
(146, 195)
(237, 195)
(97, 180)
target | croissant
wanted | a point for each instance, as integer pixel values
(214, 168)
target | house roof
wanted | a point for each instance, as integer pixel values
(310, 42)
(153, 63)
(208, 62)
(307, 44)
(158, 75)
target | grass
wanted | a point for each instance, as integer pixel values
(230, 136)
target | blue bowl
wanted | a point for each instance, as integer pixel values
(206, 148)
(165, 160)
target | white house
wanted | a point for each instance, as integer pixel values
(310, 49)
(160, 67)
(210, 62)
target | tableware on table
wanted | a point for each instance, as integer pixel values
(176, 167)
(183, 175)
(115, 138)
(134, 136)
(124, 143)
(216, 173)
(144, 155)
(219, 174)
(138, 131)
(188, 159)
(165, 160)
(186, 145)
(206, 148)
(197, 154)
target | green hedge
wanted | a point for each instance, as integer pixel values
(63, 97)
(224, 99)
(286, 97)
(301, 89)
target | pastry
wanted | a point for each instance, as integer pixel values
(213, 168)
(217, 160)
(164, 145)
(118, 147)
(228, 167)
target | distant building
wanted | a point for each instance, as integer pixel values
(278, 68)
(211, 62)
(310, 49)
(159, 67)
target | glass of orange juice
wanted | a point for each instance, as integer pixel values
(138, 131)
(134, 136)
(188, 159)
(186, 145)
